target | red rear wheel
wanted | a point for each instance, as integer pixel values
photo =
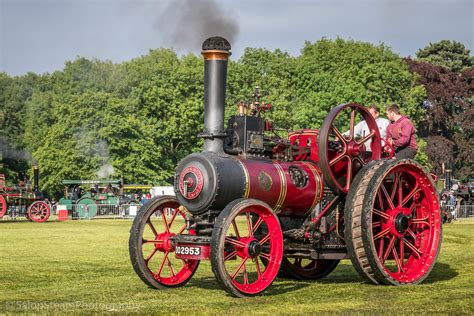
(394, 223)
(246, 247)
(151, 249)
(38, 212)
(342, 155)
(3, 206)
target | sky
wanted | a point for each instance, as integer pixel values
(40, 35)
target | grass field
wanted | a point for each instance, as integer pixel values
(83, 267)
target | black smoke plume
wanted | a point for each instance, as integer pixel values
(185, 24)
(8, 152)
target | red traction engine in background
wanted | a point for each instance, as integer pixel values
(24, 200)
(257, 205)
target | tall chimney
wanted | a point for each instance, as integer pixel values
(35, 179)
(216, 52)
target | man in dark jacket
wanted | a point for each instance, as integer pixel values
(401, 133)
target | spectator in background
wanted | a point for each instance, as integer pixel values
(401, 133)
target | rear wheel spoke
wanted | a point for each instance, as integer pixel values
(236, 272)
(412, 247)
(382, 233)
(389, 248)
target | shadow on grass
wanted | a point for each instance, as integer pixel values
(209, 283)
(441, 272)
(347, 274)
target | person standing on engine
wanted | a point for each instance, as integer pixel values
(362, 129)
(401, 133)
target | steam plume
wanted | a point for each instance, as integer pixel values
(87, 145)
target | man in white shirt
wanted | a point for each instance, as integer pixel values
(361, 129)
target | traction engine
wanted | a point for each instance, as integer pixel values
(257, 205)
(25, 200)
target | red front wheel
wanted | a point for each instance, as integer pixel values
(3, 206)
(39, 212)
(246, 247)
(151, 248)
(393, 229)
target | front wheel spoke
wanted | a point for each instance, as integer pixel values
(389, 248)
(382, 233)
(234, 242)
(257, 224)
(154, 241)
(249, 224)
(163, 217)
(170, 266)
(173, 217)
(151, 255)
(162, 264)
(152, 227)
(264, 239)
(376, 224)
(236, 230)
(418, 252)
(381, 214)
(181, 229)
(236, 272)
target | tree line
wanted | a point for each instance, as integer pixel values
(138, 118)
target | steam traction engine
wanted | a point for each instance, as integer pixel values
(257, 206)
(26, 201)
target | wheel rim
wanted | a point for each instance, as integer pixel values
(340, 156)
(406, 224)
(252, 259)
(39, 212)
(162, 223)
(3, 206)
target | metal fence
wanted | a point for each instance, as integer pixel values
(81, 211)
(460, 211)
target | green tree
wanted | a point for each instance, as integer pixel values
(449, 54)
(331, 72)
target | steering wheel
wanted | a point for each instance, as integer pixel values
(342, 156)
(388, 148)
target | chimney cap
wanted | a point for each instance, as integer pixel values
(216, 43)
